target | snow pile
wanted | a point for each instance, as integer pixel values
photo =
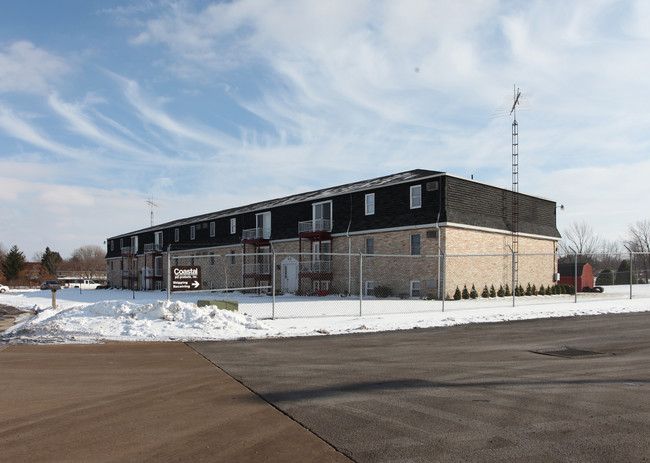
(94, 316)
(127, 321)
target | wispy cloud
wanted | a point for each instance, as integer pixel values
(28, 69)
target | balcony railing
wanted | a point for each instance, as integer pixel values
(260, 268)
(318, 225)
(153, 247)
(256, 234)
(316, 266)
(126, 250)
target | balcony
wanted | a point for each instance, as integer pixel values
(256, 234)
(316, 266)
(315, 226)
(153, 247)
(259, 268)
(126, 251)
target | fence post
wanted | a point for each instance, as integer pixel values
(169, 273)
(273, 286)
(444, 269)
(575, 277)
(360, 284)
(630, 251)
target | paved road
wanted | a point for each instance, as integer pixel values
(138, 402)
(465, 393)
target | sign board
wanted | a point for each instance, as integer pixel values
(185, 278)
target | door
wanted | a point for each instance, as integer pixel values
(289, 275)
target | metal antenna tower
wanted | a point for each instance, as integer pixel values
(151, 206)
(515, 187)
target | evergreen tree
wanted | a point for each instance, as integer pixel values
(457, 294)
(508, 293)
(13, 264)
(493, 292)
(473, 293)
(501, 292)
(50, 261)
(465, 292)
(623, 274)
(605, 278)
(485, 292)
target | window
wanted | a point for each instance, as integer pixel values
(415, 289)
(370, 204)
(212, 229)
(370, 246)
(134, 245)
(112, 245)
(432, 234)
(158, 240)
(192, 232)
(322, 215)
(233, 226)
(415, 244)
(263, 225)
(370, 288)
(416, 196)
(158, 268)
(176, 235)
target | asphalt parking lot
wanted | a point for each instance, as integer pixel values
(571, 389)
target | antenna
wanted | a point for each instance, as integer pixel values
(515, 187)
(151, 206)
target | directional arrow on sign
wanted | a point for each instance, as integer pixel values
(195, 284)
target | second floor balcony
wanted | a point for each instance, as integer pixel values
(316, 225)
(153, 247)
(256, 234)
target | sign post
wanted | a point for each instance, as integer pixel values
(186, 278)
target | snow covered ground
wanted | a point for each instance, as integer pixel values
(93, 316)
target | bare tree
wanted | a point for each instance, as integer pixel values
(88, 259)
(580, 238)
(639, 241)
(610, 256)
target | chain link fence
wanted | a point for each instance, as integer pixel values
(286, 285)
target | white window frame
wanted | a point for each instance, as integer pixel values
(192, 232)
(263, 222)
(233, 226)
(370, 250)
(419, 244)
(416, 196)
(413, 289)
(177, 235)
(317, 214)
(112, 245)
(134, 245)
(213, 229)
(370, 204)
(369, 288)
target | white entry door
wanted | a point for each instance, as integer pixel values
(289, 275)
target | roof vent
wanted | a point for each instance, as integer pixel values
(432, 186)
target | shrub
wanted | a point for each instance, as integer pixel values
(508, 292)
(548, 290)
(485, 293)
(541, 291)
(382, 291)
(473, 293)
(501, 292)
(605, 278)
(493, 292)
(457, 295)
(529, 290)
(465, 292)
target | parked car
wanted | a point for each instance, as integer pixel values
(51, 285)
(3, 289)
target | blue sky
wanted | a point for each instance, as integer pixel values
(208, 105)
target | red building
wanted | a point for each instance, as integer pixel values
(585, 275)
